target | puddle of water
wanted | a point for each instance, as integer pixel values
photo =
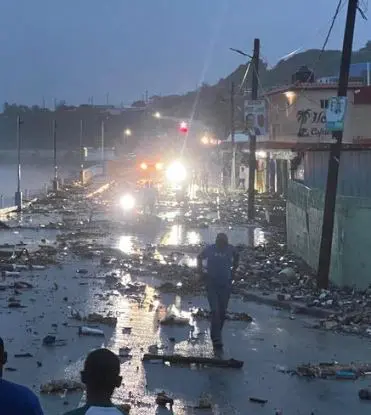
(179, 235)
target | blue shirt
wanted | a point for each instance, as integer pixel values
(18, 400)
(219, 264)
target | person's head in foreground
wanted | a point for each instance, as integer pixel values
(3, 357)
(221, 241)
(101, 375)
(15, 399)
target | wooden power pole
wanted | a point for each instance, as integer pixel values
(233, 165)
(252, 136)
(324, 262)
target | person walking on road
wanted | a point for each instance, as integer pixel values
(222, 260)
(101, 375)
(16, 399)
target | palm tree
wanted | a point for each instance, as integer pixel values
(303, 116)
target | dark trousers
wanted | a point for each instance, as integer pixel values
(218, 297)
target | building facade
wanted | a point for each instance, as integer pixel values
(297, 113)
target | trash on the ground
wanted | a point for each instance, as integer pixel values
(19, 285)
(124, 351)
(49, 340)
(15, 304)
(95, 318)
(179, 359)
(258, 400)
(90, 331)
(162, 400)
(125, 408)
(64, 385)
(175, 316)
(333, 370)
(204, 402)
(206, 314)
(364, 394)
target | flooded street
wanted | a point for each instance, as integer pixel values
(82, 283)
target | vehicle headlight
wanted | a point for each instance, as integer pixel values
(176, 172)
(127, 202)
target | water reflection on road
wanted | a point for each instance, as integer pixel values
(178, 234)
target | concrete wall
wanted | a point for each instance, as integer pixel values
(351, 259)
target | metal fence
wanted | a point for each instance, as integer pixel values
(354, 173)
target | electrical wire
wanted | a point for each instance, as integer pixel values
(338, 9)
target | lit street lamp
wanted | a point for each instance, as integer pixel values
(157, 115)
(128, 132)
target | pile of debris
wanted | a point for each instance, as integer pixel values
(334, 370)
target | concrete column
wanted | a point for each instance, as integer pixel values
(279, 176)
(272, 176)
(285, 176)
(267, 173)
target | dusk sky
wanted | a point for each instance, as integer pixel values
(73, 49)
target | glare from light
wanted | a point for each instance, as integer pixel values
(183, 124)
(176, 172)
(127, 202)
(144, 166)
(290, 95)
(159, 166)
(157, 115)
(193, 237)
(205, 140)
(127, 132)
(261, 154)
(126, 244)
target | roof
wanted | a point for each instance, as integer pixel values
(311, 86)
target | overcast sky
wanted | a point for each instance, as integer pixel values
(73, 49)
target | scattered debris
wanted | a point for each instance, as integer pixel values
(124, 351)
(89, 331)
(59, 386)
(364, 394)
(95, 318)
(18, 355)
(258, 400)
(162, 400)
(178, 359)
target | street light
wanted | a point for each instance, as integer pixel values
(240, 52)
(205, 140)
(157, 115)
(128, 132)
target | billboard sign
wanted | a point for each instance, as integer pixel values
(255, 116)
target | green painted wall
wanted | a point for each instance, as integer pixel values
(351, 245)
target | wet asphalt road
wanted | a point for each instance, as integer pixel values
(273, 341)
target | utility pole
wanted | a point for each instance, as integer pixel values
(18, 193)
(324, 261)
(102, 146)
(81, 152)
(252, 136)
(55, 180)
(233, 166)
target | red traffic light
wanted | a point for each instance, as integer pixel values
(183, 128)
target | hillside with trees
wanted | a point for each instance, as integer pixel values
(209, 104)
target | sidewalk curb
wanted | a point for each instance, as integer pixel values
(299, 307)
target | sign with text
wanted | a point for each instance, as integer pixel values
(335, 113)
(255, 117)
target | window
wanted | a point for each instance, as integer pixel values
(324, 103)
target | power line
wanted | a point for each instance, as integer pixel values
(338, 9)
